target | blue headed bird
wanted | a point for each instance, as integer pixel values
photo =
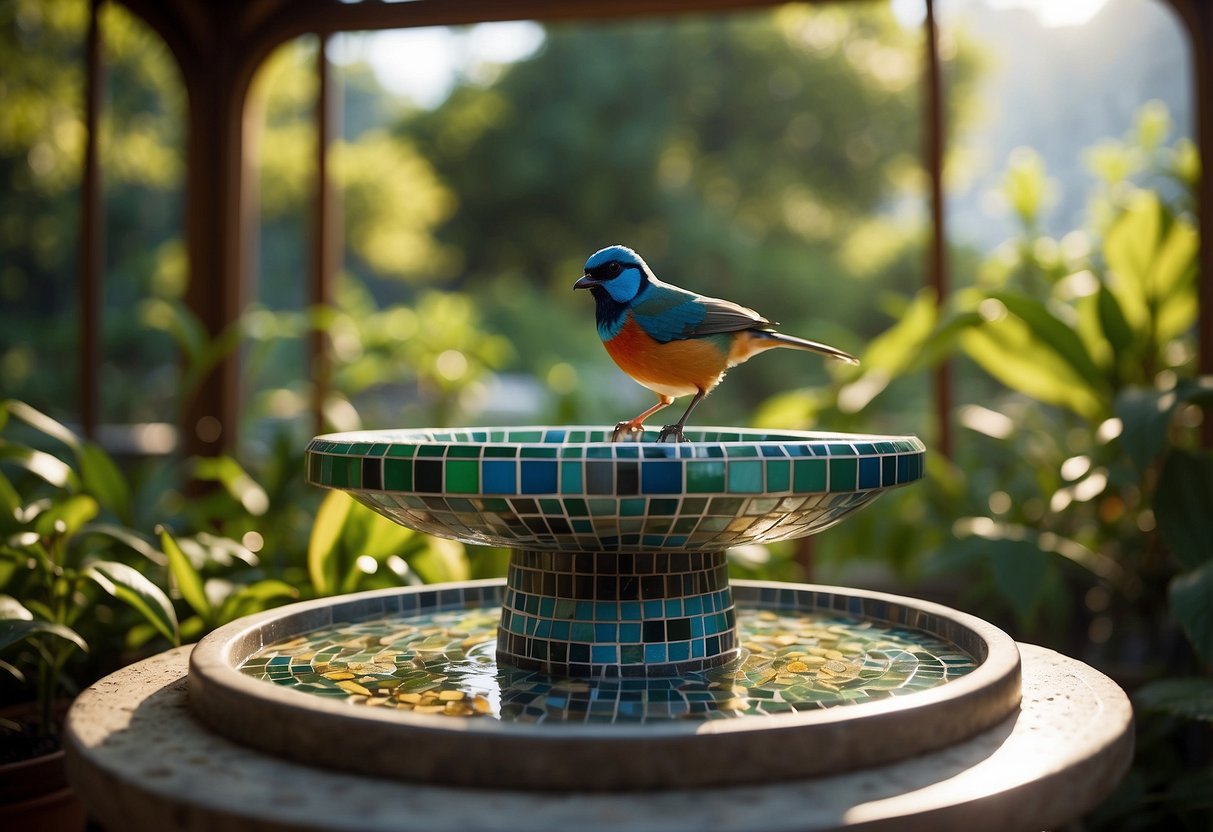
(672, 341)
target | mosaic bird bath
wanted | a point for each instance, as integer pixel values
(617, 653)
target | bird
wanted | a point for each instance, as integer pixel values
(673, 341)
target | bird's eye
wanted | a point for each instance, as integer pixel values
(614, 268)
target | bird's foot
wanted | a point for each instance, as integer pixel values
(671, 433)
(627, 432)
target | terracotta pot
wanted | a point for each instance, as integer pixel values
(35, 794)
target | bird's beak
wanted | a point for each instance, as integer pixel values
(586, 282)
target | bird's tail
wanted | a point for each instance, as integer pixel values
(778, 339)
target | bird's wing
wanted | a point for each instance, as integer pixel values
(668, 313)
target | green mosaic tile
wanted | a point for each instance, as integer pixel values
(745, 477)
(809, 475)
(705, 477)
(844, 474)
(462, 476)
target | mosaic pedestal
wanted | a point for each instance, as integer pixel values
(618, 565)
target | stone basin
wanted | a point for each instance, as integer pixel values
(743, 722)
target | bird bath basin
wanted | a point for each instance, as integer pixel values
(616, 654)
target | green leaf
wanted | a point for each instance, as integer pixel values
(1056, 334)
(1190, 698)
(101, 478)
(1191, 596)
(1151, 260)
(235, 480)
(132, 539)
(322, 554)
(1145, 417)
(10, 501)
(386, 537)
(442, 560)
(187, 578)
(66, 518)
(10, 607)
(42, 423)
(255, 597)
(13, 630)
(134, 589)
(50, 468)
(1182, 507)
(1020, 571)
(1113, 323)
(1008, 351)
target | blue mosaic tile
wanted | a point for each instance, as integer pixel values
(593, 494)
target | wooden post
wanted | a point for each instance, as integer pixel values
(326, 241)
(937, 251)
(92, 228)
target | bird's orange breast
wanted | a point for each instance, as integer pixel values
(676, 368)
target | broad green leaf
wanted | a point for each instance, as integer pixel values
(1008, 351)
(1054, 333)
(39, 421)
(134, 589)
(50, 468)
(1183, 507)
(101, 478)
(1129, 250)
(322, 554)
(1191, 596)
(13, 630)
(442, 560)
(187, 578)
(1151, 258)
(386, 537)
(66, 518)
(1190, 698)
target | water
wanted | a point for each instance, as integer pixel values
(445, 663)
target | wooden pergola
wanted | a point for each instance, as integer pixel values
(218, 46)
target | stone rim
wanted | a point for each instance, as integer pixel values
(590, 756)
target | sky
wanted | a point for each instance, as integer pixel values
(424, 64)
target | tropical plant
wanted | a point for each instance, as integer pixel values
(1078, 500)
(65, 548)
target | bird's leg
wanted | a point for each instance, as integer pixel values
(632, 428)
(674, 432)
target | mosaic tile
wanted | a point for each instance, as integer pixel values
(799, 650)
(411, 476)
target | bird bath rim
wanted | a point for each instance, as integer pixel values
(594, 756)
(570, 489)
